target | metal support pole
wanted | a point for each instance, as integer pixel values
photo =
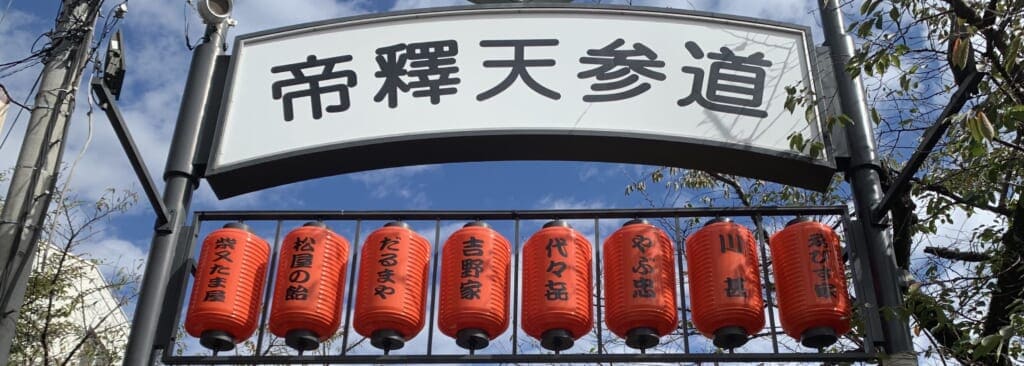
(862, 175)
(180, 184)
(35, 175)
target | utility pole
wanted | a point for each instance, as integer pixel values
(35, 175)
(862, 174)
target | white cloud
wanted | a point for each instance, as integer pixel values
(397, 182)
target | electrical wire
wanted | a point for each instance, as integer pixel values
(6, 10)
(17, 117)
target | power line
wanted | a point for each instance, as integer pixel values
(6, 10)
(14, 123)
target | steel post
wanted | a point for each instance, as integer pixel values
(181, 182)
(862, 174)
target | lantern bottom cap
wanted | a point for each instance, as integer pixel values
(818, 337)
(642, 338)
(302, 340)
(387, 339)
(556, 340)
(730, 337)
(217, 340)
(472, 338)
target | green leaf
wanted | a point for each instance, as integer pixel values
(1009, 63)
(865, 8)
(809, 114)
(987, 344)
(960, 52)
(875, 117)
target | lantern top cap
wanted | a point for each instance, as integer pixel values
(319, 224)
(401, 224)
(636, 221)
(238, 225)
(477, 223)
(717, 220)
(798, 219)
(557, 223)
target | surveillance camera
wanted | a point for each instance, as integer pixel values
(215, 11)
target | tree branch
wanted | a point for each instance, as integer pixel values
(964, 256)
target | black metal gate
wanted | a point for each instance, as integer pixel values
(429, 347)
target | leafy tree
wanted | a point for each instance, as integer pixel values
(919, 58)
(63, 322)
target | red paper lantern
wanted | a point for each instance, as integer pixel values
(225, 303)
(310, 286)
(810, 278)
(725, 287)
(640, 284)
(475, 276)
(391, 296)
(557, 293)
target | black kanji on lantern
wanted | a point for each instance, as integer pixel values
(386, 276)
(556, 268)
(643, 267)
(557, 244)
(224, 243)
(430, 68)
(215, 296)
(735, 83)
(624, 66)
(219, 269)
(313, 86)
(389, 244)
(473, 247)
(472, 267)
(383, 291)
(217, 282)
(730, 242)
(642, 243)
(223, 255)
(643, 287)
(517, 66)
(297, 292)
(734, 287)
(556, 291)
(470, 289)
(303, 244)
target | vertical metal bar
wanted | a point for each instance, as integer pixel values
(433, 287)
(761, 240)
(680, 249)
(865, 184)
(515, 290)
(352, 284)
(597, 259)
(179, 185)
(269, 288)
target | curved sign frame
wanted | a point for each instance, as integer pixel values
(521, 82)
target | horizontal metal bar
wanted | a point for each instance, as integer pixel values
(521, 358)
(522, 215)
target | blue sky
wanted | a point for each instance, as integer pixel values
(158, 60)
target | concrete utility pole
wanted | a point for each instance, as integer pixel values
(862, 174)
(35, 175)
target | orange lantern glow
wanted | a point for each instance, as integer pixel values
(391, 296)
(310, 285)
(475, 277)
(225, 303)
(640, 284)
(725, 288)
(810, 277)
(557, 302)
